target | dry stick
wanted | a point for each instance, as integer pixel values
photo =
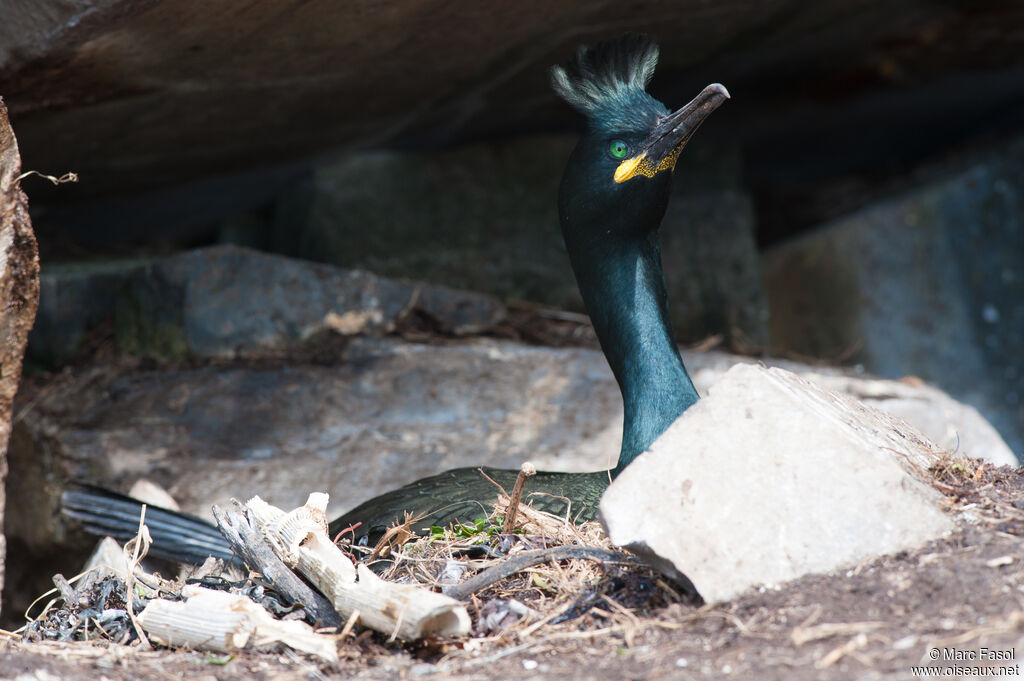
(527, 559)
(299, 538)
(140, 547)
(248, 543)
(67, 592)
(527, 470)
(66, 177)
(349, 625)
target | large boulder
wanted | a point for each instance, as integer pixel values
(228, 301)
(771, 477)
(481, 217)
(132, 93)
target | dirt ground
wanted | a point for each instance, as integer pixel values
(877, 620)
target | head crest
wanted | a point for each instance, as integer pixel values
(610, 76)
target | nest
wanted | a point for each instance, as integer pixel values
(547, 577)
(608, 589)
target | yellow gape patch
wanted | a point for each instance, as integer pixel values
(641, 165)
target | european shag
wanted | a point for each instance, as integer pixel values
(611, 202)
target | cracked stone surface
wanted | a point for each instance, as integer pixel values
(770, 477)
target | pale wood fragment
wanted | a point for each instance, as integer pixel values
(248, 542)
(223, 622)
(399, 610)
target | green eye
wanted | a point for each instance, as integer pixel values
(618, 149)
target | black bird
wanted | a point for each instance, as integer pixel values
(611, 201)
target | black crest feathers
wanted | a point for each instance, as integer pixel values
(606, 75)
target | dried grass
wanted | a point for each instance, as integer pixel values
(566, 600)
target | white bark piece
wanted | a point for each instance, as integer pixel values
(223, 622)
(400, 610)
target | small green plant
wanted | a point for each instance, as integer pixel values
(478, 529)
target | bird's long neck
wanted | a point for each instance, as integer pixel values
(623, 287)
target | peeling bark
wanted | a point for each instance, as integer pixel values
(19, 292)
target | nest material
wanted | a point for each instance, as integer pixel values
(567, 595)
(559, 595)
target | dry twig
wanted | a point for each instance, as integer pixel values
(527, 470)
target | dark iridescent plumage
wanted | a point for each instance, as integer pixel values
(607, 84)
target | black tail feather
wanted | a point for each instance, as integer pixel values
(176, 536)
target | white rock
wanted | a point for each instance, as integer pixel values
(952, 425)
(771, 477)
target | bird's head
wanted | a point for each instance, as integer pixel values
(618, 175)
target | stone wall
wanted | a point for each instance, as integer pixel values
(928, 283)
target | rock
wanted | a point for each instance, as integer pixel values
(83, 74)
(713, 269)
(936, 289)
(393, 214)
(954, 426)
(770, 477)
(19, 293)
(148, 491)
(389, 412)
(225, 301)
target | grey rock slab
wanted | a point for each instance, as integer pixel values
(389, 412)
(226, 300)
(712, 266)
(928, 283)
(199, 76)
(771, 477)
